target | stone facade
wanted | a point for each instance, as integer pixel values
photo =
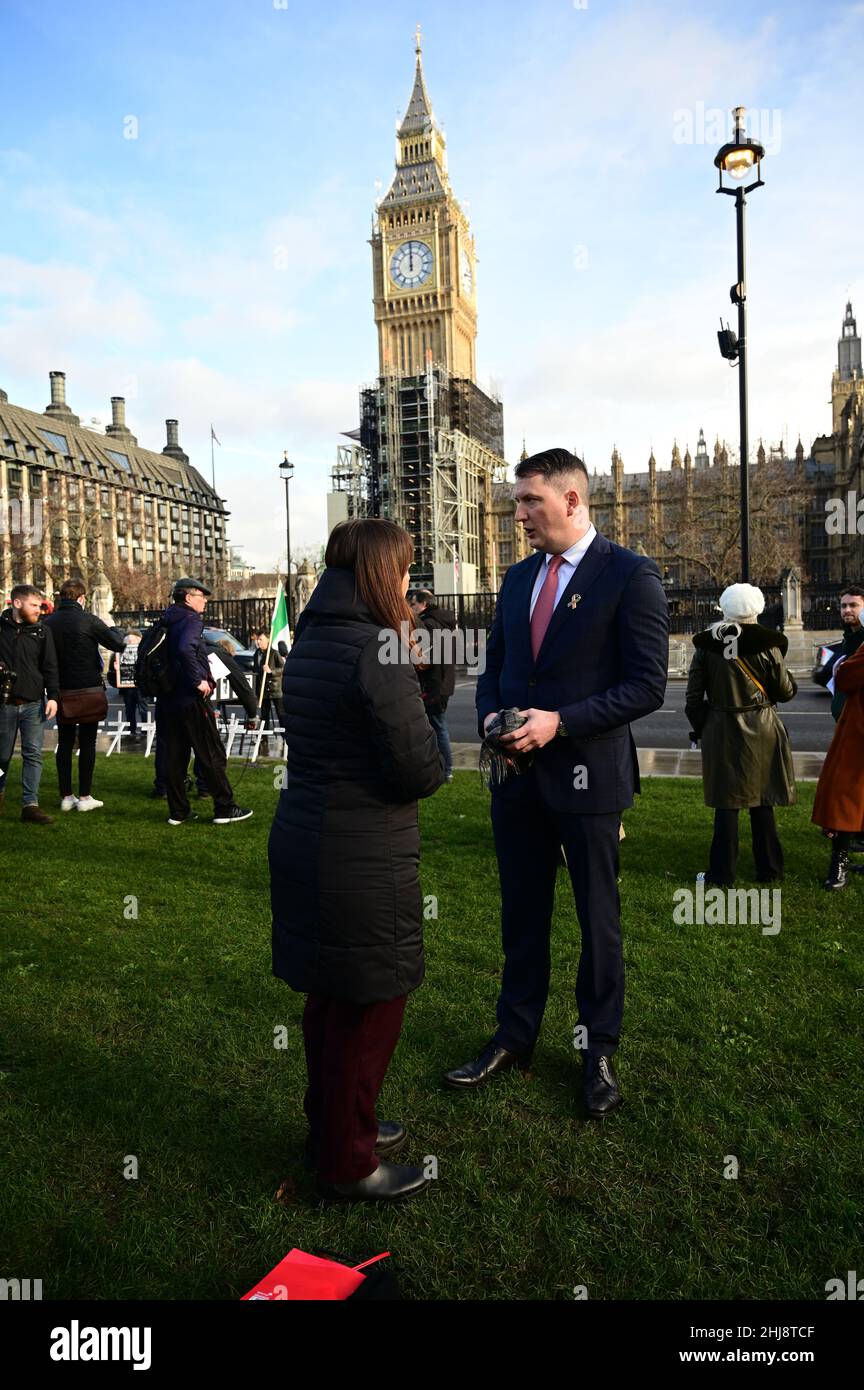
(97, 502)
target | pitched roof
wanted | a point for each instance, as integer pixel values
(54, 442)
(418, 118)
(415, 181)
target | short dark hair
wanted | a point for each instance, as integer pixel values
(72, 588)
(551, 464)
(854, 589)
(423, 596)
(26, 591)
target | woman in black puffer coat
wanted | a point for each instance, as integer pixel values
(78, 636)
(345, 850)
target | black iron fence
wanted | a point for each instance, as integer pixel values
(691, 609)
(820, 606)
(240, 616)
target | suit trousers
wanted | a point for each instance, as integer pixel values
(184, 728)
(529, 837)
(348, 1051)
(767, 850)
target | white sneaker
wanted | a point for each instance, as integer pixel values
(68, 803)
(89, 803)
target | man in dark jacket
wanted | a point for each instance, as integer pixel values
(27, 649)
(438, 679)
(186, 718)
(852, 617)
(245, 694)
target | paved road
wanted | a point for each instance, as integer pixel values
(807, 717)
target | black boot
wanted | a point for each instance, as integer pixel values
(839, 865)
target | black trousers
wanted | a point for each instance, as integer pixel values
(187, 728)
(529, 837)
(86, 757)
(767, 850)
(272, 713)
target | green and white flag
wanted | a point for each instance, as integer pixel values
(279, 630)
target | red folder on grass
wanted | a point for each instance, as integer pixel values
(301, 1276)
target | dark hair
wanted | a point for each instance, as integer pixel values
(379, 552)
(854, 589)
(423, 596)
(551, 464)
(26, 591)
(72, 588)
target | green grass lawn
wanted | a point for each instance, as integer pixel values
(154, 1037)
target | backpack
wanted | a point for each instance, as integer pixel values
(154, 671)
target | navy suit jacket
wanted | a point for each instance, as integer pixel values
(604, 661)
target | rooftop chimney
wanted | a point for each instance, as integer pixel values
(4, 399)
(58, 407)
(172, 448)
(118, 426)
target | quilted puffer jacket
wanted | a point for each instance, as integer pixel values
(345, 844)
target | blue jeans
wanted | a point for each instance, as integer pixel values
(29, 719)
(442, 733)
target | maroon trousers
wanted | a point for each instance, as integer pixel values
(348, 1051)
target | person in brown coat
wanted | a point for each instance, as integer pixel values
(737, 677)
(839, 803)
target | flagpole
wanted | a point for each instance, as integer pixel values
(212, 457)
(269, 650)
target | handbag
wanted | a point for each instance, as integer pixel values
(87, 706)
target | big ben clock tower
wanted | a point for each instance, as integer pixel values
(430, 441)
(423, 255)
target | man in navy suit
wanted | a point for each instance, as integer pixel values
(580, 645)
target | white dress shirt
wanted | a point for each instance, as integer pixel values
(567, 569)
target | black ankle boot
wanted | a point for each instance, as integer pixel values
(839, 867)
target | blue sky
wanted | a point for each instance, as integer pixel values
(216, 267)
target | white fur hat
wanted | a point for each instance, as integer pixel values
(742, 602)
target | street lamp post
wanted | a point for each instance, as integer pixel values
(739, 158)
(286, 471)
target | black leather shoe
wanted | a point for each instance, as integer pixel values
(391, 1138)
(492, 1060)
(391, 1182)
(600, 1087)
(838, 870)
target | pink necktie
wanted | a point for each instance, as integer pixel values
(545, 605)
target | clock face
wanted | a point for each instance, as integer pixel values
(466, 272)
(411, 264)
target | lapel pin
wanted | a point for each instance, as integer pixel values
(575, 601)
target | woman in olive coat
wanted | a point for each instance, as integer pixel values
(345, 850)
(737, 677)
